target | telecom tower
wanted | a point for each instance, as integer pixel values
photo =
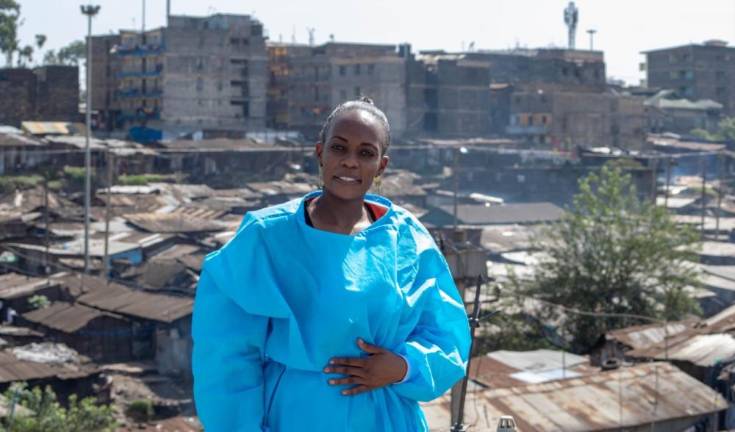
(571, 18)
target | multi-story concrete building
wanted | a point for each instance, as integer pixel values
(198, 73)
(47, 93)
(106, 71)
(448, 95)
(695, 71)
(307, 82)
(564, 120)
(550, 68)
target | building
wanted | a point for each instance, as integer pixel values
(550, 68)
(695, 72)
(449, 95)
(566, 119)
(307, 82)
(667, 112)
(49, 93)
(197, 74)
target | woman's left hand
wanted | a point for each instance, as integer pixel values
(379, 369)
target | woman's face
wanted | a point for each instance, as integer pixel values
(352, 155)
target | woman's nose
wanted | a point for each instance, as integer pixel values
(349, 161)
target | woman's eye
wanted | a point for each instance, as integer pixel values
(338, 147)
(367, 153)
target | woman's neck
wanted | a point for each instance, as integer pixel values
(333, 213)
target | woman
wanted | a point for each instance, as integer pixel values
(333, 312)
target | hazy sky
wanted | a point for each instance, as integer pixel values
(625, 27)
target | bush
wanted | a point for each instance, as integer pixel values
(140, 410)
(46, 414)
(39, 302)
(11, 183)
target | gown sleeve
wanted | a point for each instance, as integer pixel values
(227, 359)
(438, 347)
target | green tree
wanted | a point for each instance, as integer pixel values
(725, 131)
(72, 53)
(41, 41)
(47, 414)
(9, 23)
(25, 56)
(613, 253)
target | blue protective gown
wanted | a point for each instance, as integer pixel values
(281, 298)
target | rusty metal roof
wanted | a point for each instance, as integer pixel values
(700, 349)
(172, 222)
(644, 336)
(14, 369)
(627, 397)
(14, 285)
(66, 317)
(120, 299)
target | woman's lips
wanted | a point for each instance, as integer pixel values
(347, 180)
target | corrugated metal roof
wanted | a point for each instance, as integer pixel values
(15, 369)
(66, 317)
(704, 350)
(53, 128)
(120, 299)
(524, 213)
(172, 223)
(646, 335)
(628, 397)
(14, 285)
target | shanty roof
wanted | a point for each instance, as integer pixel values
(120, 299)
(661, 142)
(178, 222)
(15, 368)
(14, 285)
(508, 238)
(700, 349)
(66, 317)
(646, 335)
(512, 368)
(53, 128)
(17, 140)
(526, 213)
(623, 398)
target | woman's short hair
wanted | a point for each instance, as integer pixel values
(365, 104)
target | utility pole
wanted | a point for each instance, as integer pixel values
(143, 20)
(105, 262)
(46, 259)
(720, 189)
(592, 38)
(90, 11)
(704, 195)
(668, 182)
(455, 177)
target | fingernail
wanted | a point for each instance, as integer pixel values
(344, 393)
(331, 361)
(326, 370)
(331, 381)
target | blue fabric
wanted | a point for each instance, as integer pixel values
(281, 298)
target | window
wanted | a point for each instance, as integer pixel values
(370, 69)
(358, 92)
(357, 69)
(200, 84)
(234, 41)
(343, 70)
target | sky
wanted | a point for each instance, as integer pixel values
(624, 27)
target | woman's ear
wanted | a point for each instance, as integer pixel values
(318, 148)
(383, 165)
